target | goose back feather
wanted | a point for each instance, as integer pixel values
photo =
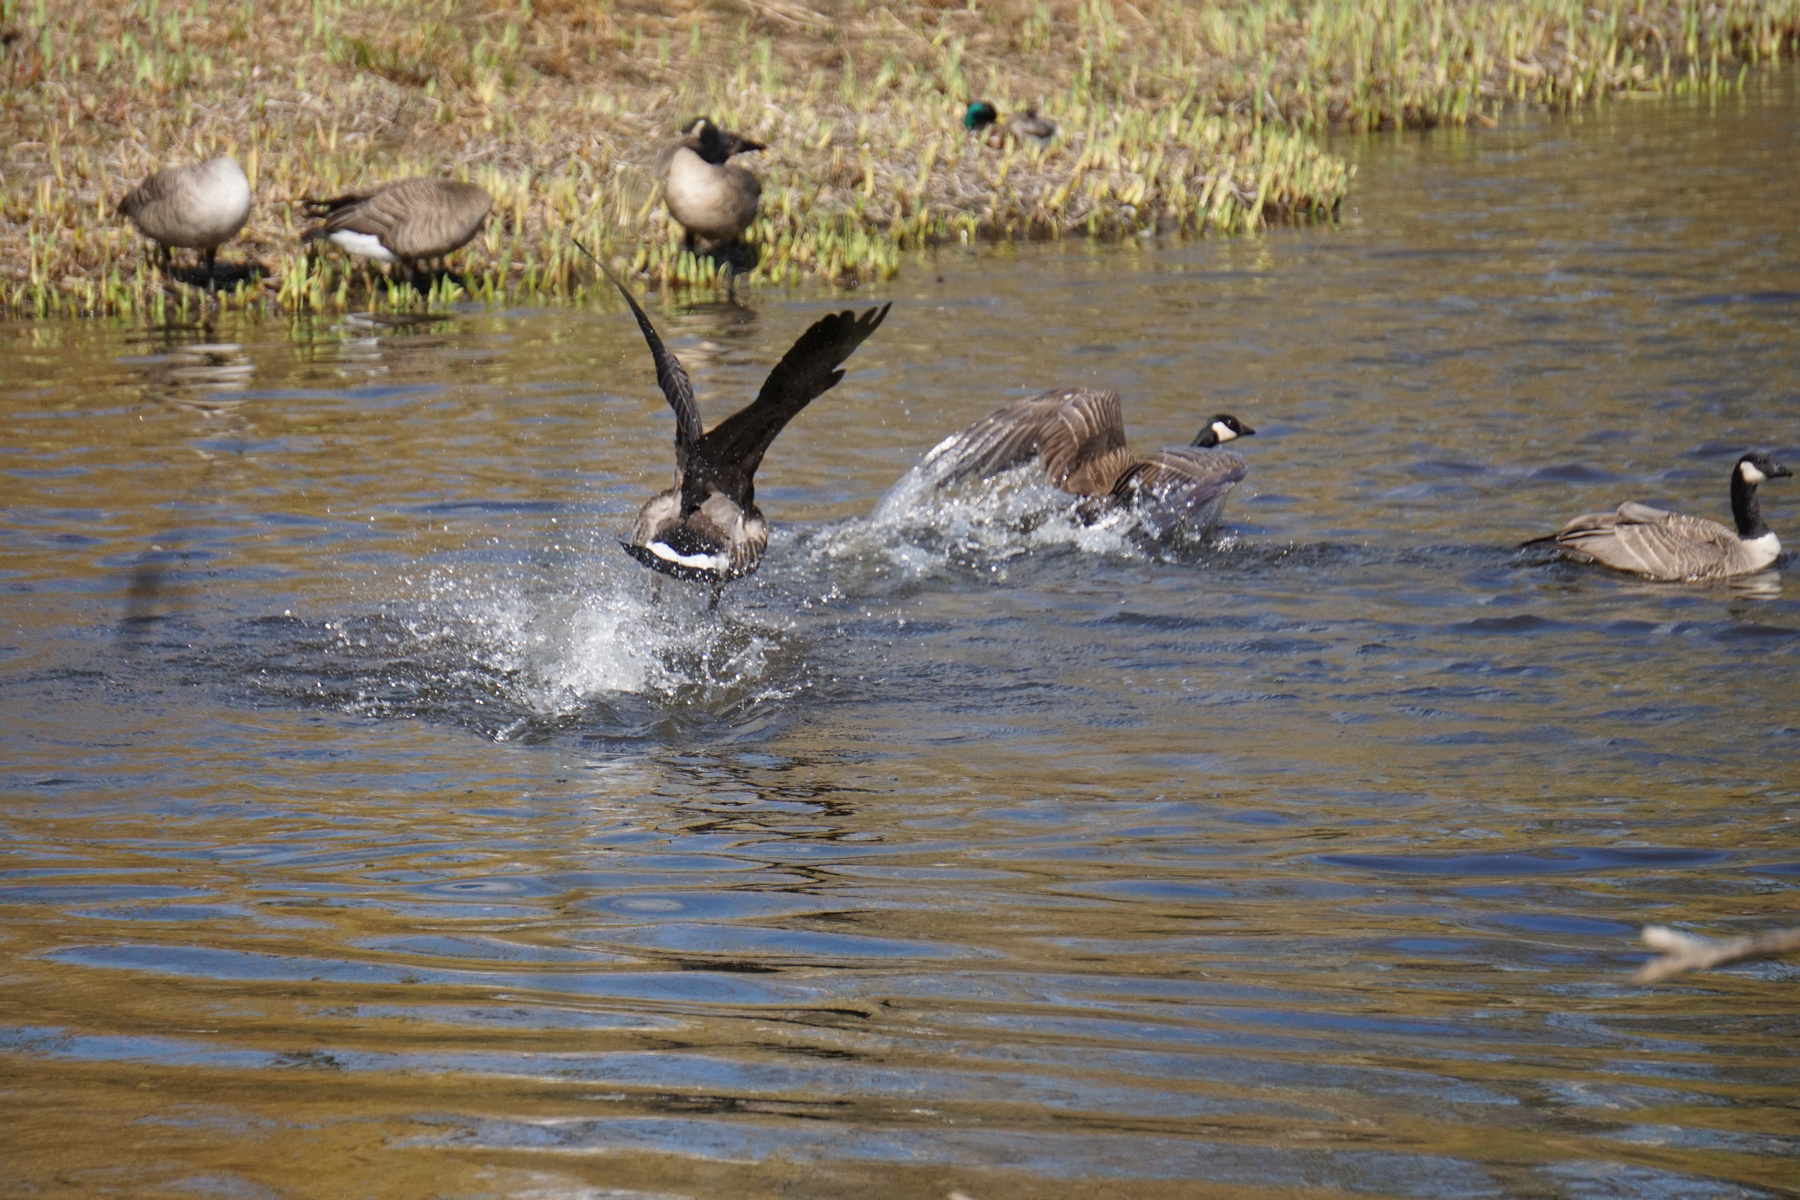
(1077, 433)
(199, 206)
(411, 219)
(1662, 545)
(1078, 436)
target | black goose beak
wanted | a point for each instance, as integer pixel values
(1780, 472)
(1248, 432)
(745, 144)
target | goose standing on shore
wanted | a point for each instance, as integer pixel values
(712, 198)
(199, 207)
(408, 222)
(707, 526)
(1078, 436)
(1669, 546)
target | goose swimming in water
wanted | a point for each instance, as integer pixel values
(407, 222)
(1669, 546)
(707, 526)
(1078, 436)
(199, 207)
(713, 198)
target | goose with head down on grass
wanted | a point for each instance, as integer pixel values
(200, 206)
(408, 221)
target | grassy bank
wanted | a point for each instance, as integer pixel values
(1176, 117)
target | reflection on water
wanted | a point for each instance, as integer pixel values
(371, 828)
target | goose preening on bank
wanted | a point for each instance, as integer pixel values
(1078, 436)
(713, 198)
(1669, 546)
(707, 526)
(408, 222)
(199, 207)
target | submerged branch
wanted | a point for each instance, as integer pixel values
(1685, 952)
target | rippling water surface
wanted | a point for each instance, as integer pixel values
(368, 831)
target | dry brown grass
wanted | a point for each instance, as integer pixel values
(1175, 117)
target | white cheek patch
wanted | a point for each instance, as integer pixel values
(1222, 431)
(364, 245)
(1750, 473)
(699, 562)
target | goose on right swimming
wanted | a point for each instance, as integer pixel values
(1669, 546)
(1078, 436)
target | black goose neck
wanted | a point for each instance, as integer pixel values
(1745, 508)
(711, 145)
(1209, 438)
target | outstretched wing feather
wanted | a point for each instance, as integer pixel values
(1067, 428)
(735, 447)
(672, 377)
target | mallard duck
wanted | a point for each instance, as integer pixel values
(1078, 436)
(408, 222)
(983, 118)
(200, 207)
(707, 526)
(1669, 546)
(713, 198)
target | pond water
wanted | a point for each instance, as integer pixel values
(368, 831)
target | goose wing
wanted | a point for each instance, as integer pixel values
(1180, 484)
(1078, 433)
(1649, 541)
(673, 379)
(735, 447)
(159, 185)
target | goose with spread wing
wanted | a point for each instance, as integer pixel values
(707, 526)
(1670, 546)
(1078, 436)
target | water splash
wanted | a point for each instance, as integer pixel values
(920, 531)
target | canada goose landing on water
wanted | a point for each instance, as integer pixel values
(983, 118)
(713, 198)
(200, 206)
(1664, 545)
(707, 527)
(406, 222)
(1078, 436)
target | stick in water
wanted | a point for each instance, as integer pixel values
(1684, 952)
